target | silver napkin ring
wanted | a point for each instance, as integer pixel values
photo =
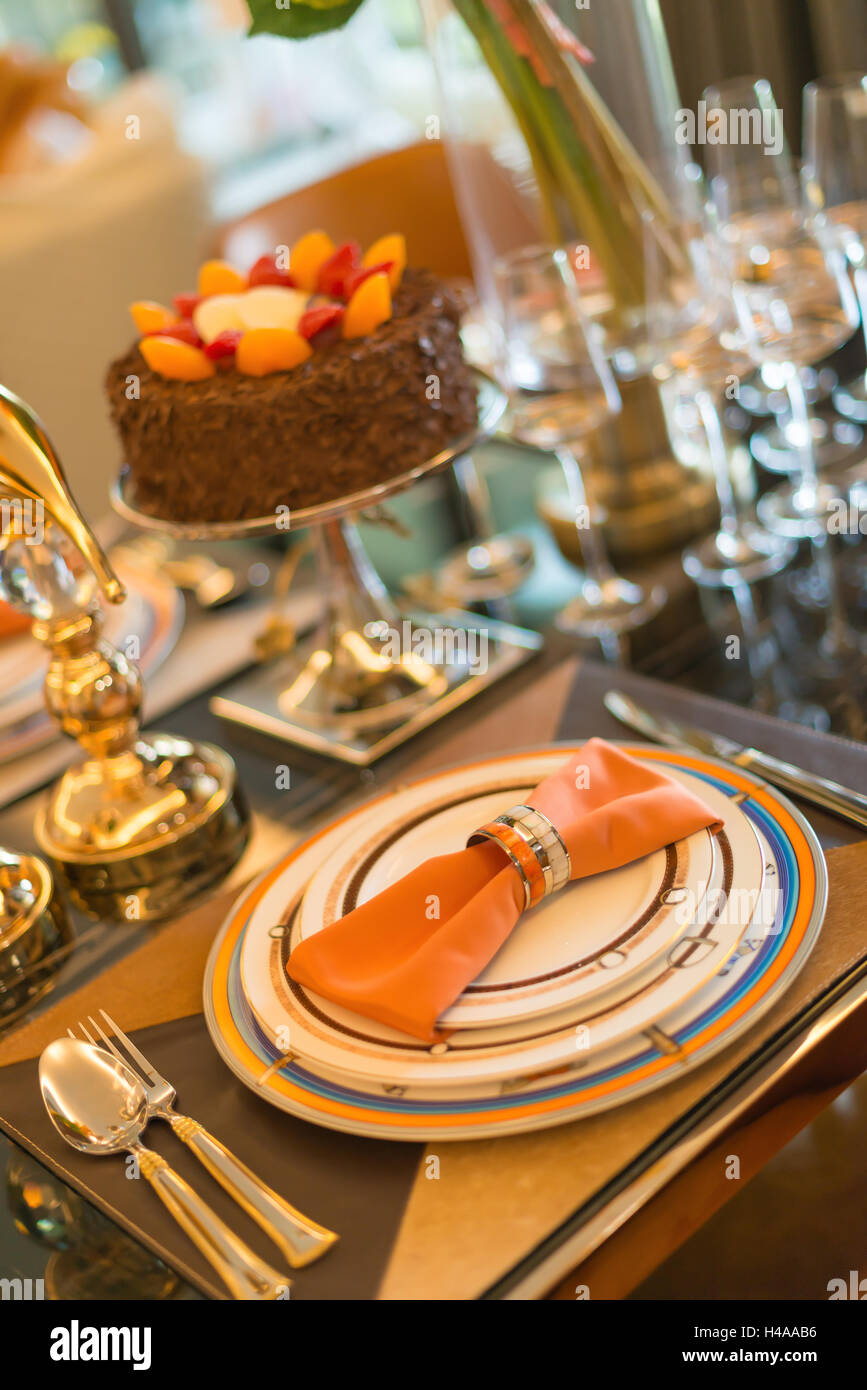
(535, 848)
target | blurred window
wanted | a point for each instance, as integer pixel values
(264, 113)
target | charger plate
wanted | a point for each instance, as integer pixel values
(767, 958)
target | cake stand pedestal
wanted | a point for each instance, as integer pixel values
(369, 676)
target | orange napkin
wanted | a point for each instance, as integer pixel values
(12, 622)
(407, 954)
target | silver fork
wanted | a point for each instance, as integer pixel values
(300, 1239)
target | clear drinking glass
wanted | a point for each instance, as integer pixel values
(561, 389)
(790, 284)
(698, 345)
(834, 178)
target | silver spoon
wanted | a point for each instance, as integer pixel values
(99, 1106)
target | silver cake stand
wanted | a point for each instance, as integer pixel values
(369, 676)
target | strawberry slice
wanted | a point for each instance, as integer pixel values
(186, 303)
(224, 345)
(266, 271)
(321, 316)
(357, 277)
(184, 330)
(333, 273)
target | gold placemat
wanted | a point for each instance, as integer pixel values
(158, 982)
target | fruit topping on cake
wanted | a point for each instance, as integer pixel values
(307, 258)
(369, 306)
(265, 350)
(172, 358)
(272, 318)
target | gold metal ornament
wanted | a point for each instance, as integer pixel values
(35, 933)
(144, 823)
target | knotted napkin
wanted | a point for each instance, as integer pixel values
(407, 954)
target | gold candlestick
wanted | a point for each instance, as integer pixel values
(143, 824)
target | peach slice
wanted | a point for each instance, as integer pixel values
(307, 257)
(216, 314)
(369, 307)
(176, 360)
(388, 248)
(218, 277)
(265, 350)
(271, 306)
(149, 316)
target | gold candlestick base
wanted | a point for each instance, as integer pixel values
(138, 836)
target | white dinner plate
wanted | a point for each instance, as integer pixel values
(593, 939)
(331, 1036)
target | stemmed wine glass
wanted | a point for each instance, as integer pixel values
(561, 389)
(697, 345)
(791, 289)
(834, 178)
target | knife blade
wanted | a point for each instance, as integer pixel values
(819, 791)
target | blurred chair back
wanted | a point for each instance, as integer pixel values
(406, 190)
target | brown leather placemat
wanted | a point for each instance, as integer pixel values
(405, 1235)
(827, 754)
(357, 1187)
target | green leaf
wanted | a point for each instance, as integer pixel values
(300, 19)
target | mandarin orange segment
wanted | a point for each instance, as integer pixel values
(218, 277)
(176, 360)
(369, 307)
(265, 350)
(149, 316)
(307, 257)
(388, 248)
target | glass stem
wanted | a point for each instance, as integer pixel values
(728, 508)
(475, 499)
(761, 667)
(808, 485)
(838, 639)
(597, 566)
(859, 277)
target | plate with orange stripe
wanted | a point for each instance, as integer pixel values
(767, 957)
(593, 940)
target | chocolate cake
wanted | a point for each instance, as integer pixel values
(357, 411)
